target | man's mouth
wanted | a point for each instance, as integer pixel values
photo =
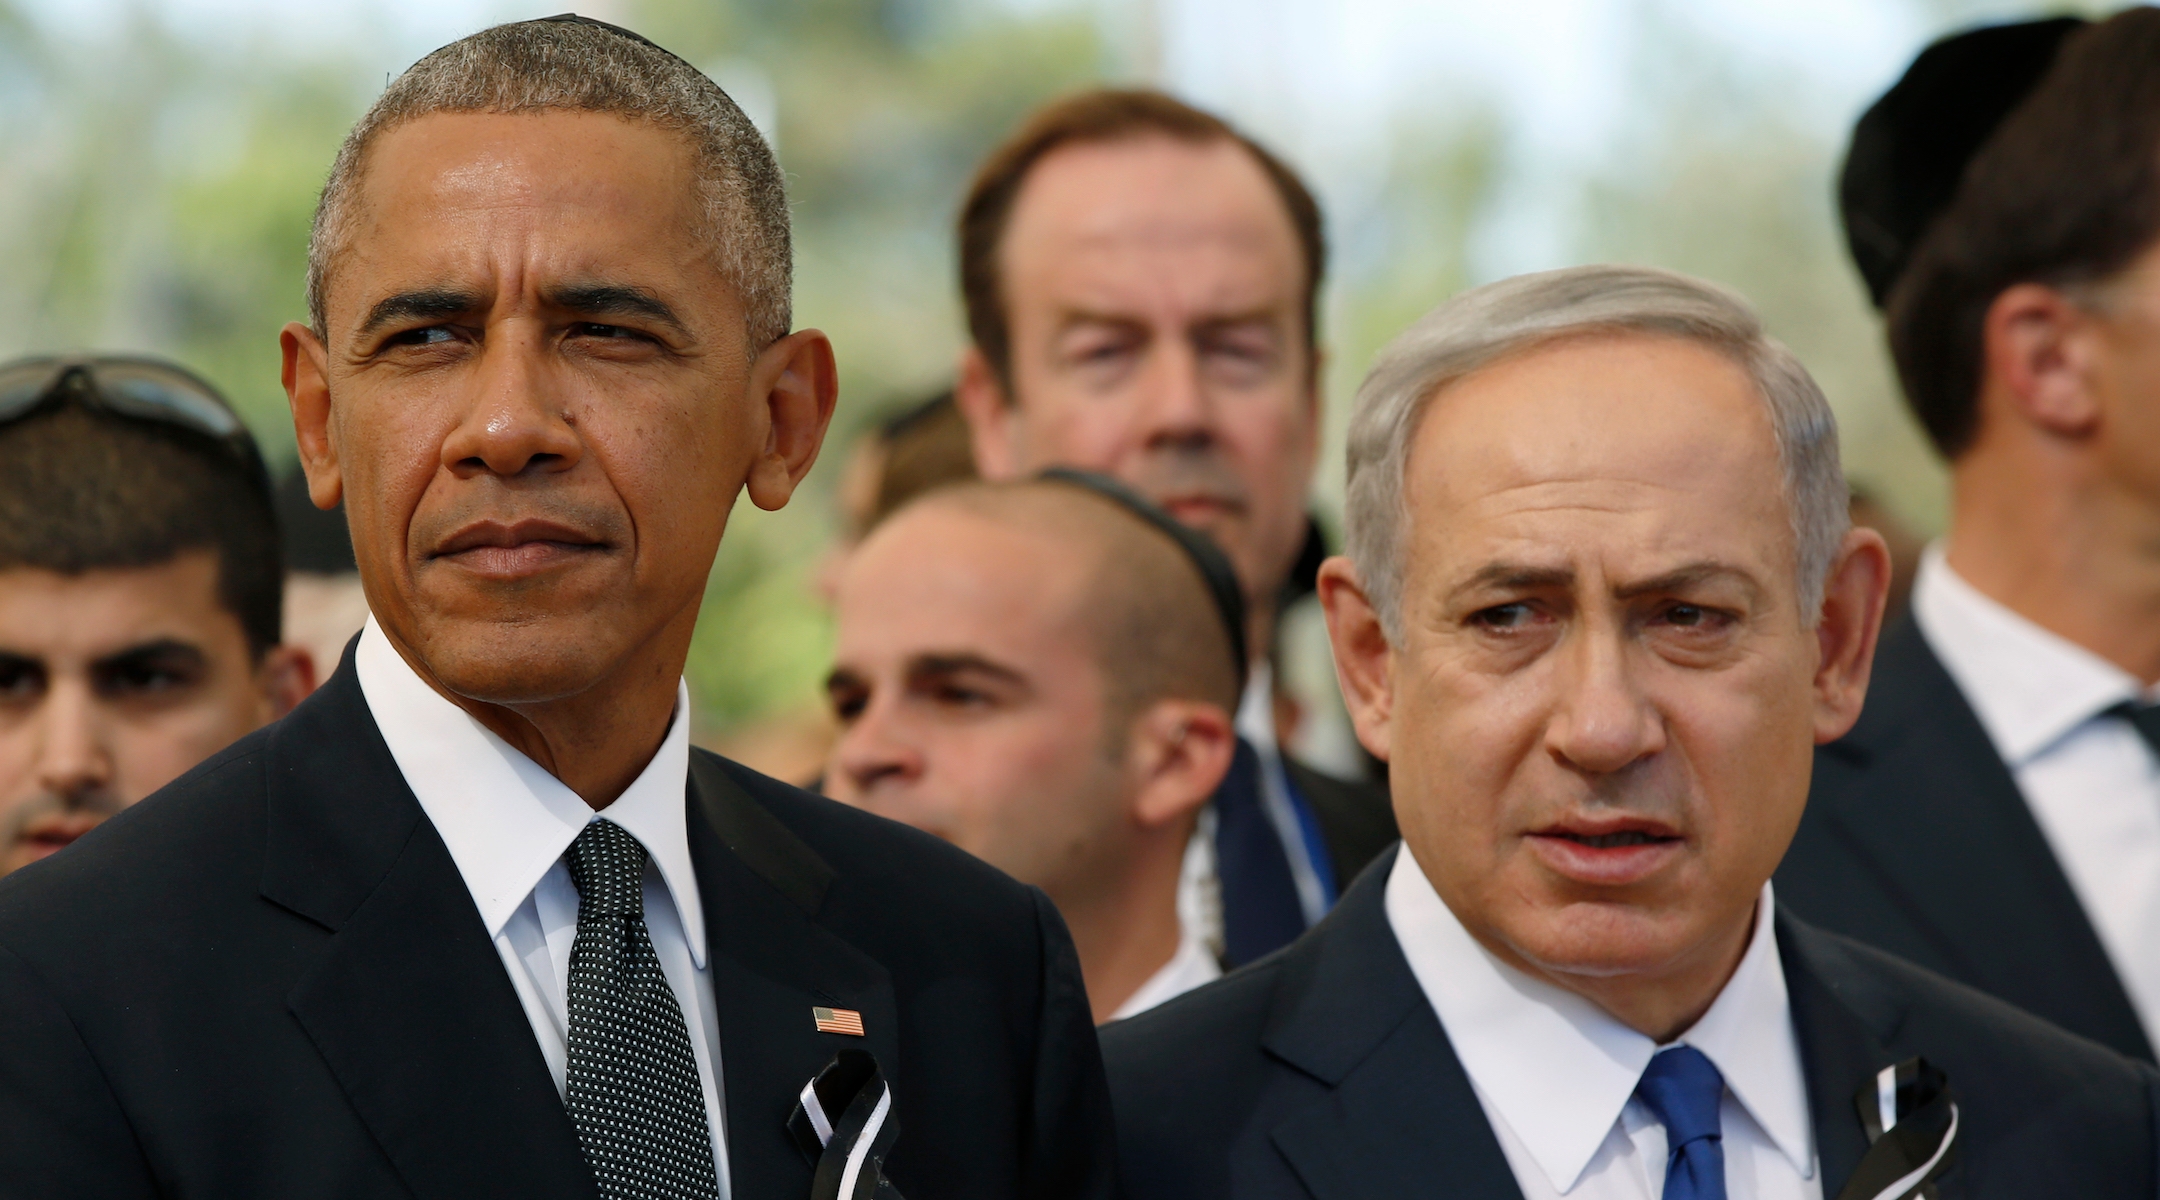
(1611, 852)
(55, 833)
(518, 548)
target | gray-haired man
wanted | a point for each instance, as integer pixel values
(476, 920)
(1600, 603)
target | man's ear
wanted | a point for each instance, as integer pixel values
(286, 677)
(2038, 347)
(1846, 632)
(1364, 661)
(307, 390)
(1177, 752)
(991, 417)
(799, 385)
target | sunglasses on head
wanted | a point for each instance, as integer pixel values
(139, 389)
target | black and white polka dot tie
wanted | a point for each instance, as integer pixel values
(633, 1083)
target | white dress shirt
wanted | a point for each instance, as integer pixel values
(1556, 1074)
(1187, 969)
(507, 823)
(2092, 783)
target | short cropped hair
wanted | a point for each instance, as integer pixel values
(85, 491)
(1500, 320)
(574, 66)
(1098, 116)
(1158, 634)
(2066, 193)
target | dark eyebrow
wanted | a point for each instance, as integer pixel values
(1509, 576)
(615, 300)
(427, 304)
(955, 663)
(163, 649)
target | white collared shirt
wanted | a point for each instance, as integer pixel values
(2092, 783)
(1556, 1074)
(507, 823)
(1188, 968)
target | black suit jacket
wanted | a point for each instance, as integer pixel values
(270, 980)
(1917, 840)
(1321, 1073)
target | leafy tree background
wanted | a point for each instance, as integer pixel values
(161, 170)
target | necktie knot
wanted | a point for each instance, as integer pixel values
(1683, 1089)
(607, 863)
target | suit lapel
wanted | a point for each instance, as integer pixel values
(1948, 831)
(1401, 1118)
(762, 887)
(409, 1006)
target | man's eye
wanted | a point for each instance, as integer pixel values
(847, 706)
(594, 329)
(20, 678)
(432, 335)
(143, 678)
(1503, 616)
(955, 696)
(1692, 616)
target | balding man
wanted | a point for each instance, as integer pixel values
(476, 920)
(1601, 602)
(1042, 674)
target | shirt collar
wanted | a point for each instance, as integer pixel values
(506, 820)
(1560, 1070)
(2028, 686)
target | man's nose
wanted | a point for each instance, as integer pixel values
(874, 751)
(73, 758)
(1175, 409)
(1602, 721)
(518, 419)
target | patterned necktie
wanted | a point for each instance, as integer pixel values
(1682, 1090)
(633, 1087)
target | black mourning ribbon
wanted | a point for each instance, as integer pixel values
(1920, 1143)
(844, 1124)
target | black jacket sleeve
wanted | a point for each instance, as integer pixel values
(62, 1132)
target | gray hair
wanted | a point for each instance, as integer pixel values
(566, 66)
(1488, 323)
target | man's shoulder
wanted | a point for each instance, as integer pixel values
(1198, 1036)
(1993, 1052)
(886, 875)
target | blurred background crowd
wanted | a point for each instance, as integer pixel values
(165, 157)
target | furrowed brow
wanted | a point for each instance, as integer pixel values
(1691, 575)
(1505, 576)
(424, 304)
(615, 300)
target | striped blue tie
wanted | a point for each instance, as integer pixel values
(1682, 1090)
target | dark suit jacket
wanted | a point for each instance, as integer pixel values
(1356, 819)
(1321, 1073)
(1917, 840)
(269, 980)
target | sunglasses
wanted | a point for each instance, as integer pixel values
(139, 389)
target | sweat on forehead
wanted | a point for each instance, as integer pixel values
(1157, 629)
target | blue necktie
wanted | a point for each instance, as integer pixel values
(1682, 1090)
(1260, 908)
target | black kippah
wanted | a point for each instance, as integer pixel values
(1910, 149)
(1207, 558)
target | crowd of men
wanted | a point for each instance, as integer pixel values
(1687, 874)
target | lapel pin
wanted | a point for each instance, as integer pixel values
(838, 1020)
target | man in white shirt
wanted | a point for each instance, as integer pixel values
(476, 920)
(1995, 815)
(1043, 675)
(1600, 602)
(1142, 287)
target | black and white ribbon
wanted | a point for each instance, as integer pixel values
(844, 1124)
(1911, 1117)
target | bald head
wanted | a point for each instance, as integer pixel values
(1141, 603)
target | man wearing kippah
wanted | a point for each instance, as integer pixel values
(476, 919)
(1995, 814)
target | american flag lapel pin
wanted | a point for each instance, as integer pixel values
(838, 1020)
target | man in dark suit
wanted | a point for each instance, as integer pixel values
(1995, 815)
(475, 919)
(1142, 286)
(1597, 664)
